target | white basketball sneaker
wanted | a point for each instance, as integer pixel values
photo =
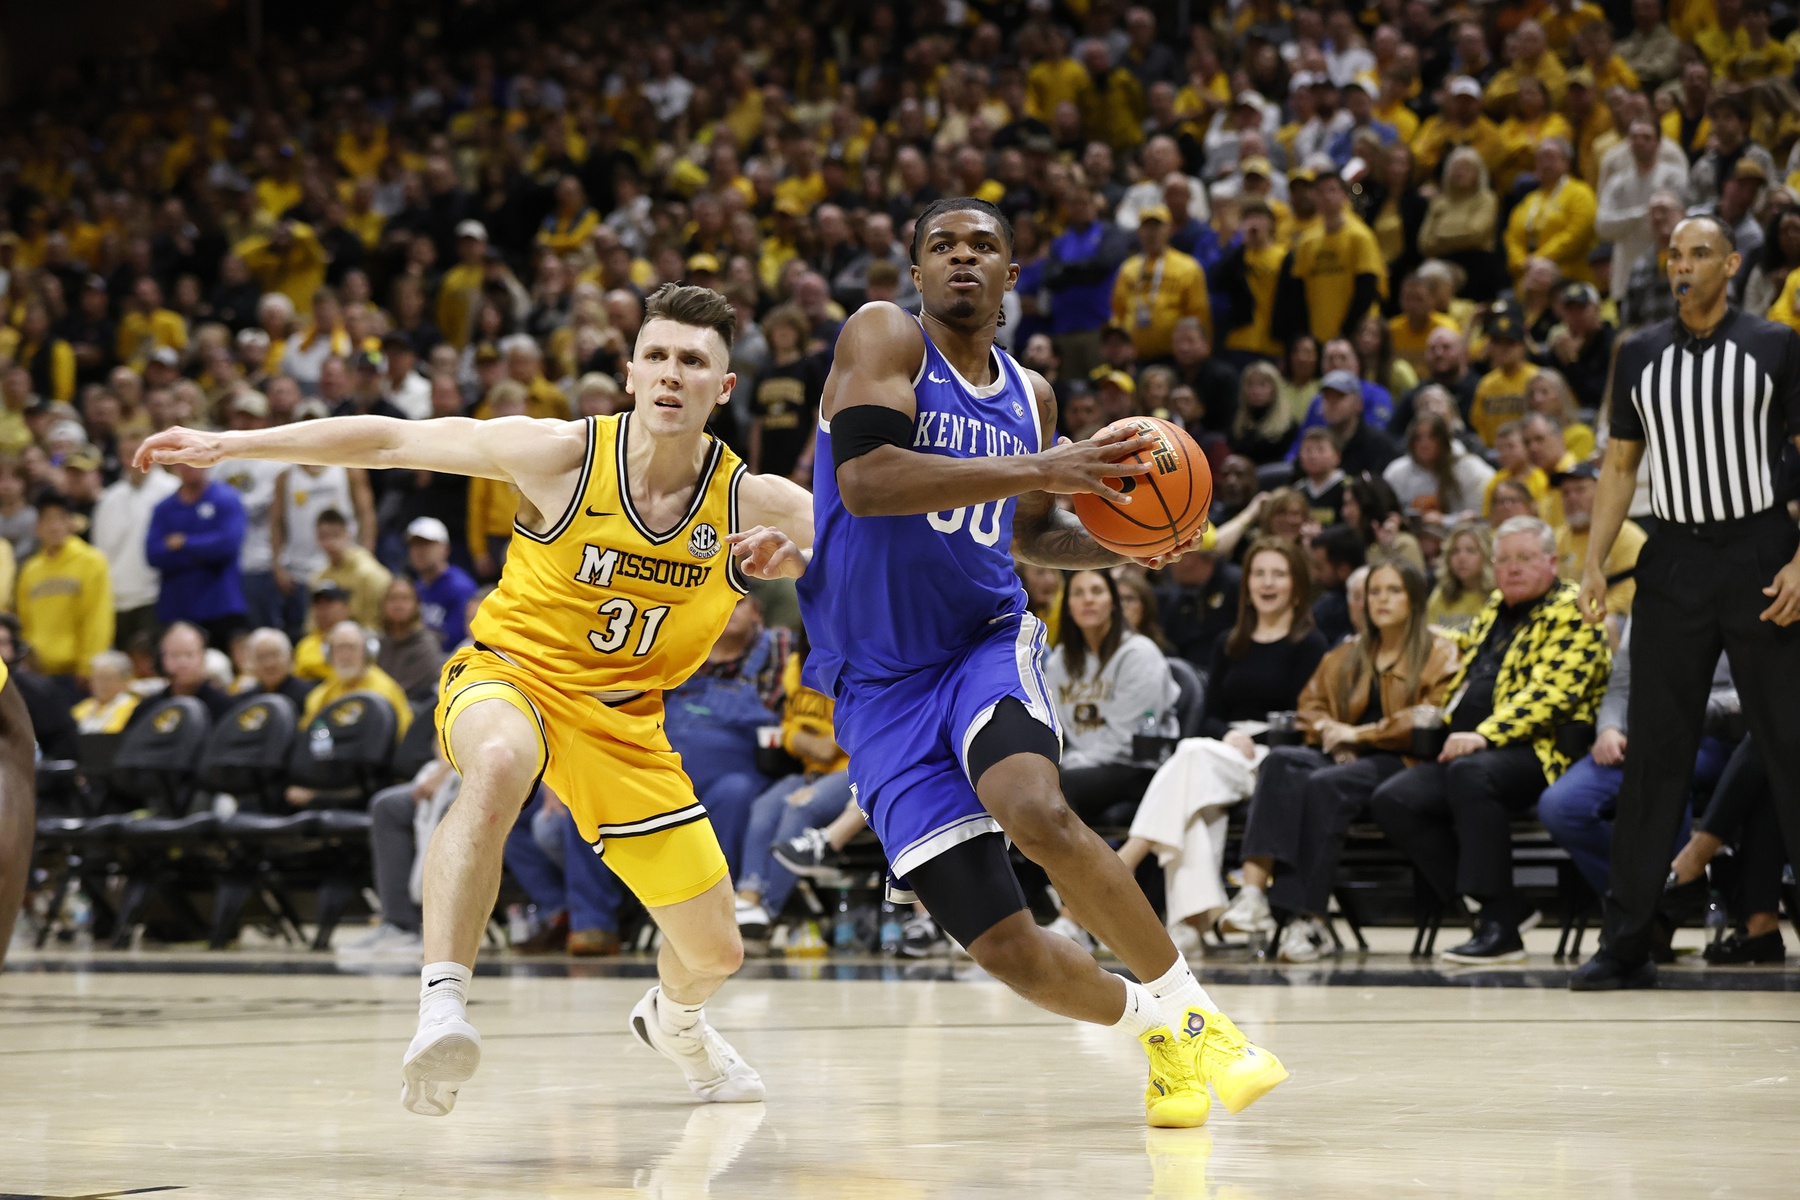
(442, 1057)
(714, 1071)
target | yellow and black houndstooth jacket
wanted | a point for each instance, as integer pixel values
(1554, 674)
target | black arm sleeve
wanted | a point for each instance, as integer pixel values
(863, 427)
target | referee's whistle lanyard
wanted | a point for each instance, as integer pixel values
(1536, 211)
(1149, 288)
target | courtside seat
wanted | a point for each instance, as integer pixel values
(157, 765)
(347, 747)
(247, 753)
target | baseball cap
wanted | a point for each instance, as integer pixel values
(703, 262)
(252, 337)
(471, 229)
(1119, 379)
(83, 458)
(330, 591)
(253, 404)
(1155, 212)
(395, 340)
(1249, 98)
(1506, 322)
(1256, 164)
(1340, 381)
(1579, 293)
(1301, 79)
(1584, 470)
(1581, 77)
(428, 529)
(1462, 85)
(165, 356)
(487, 352)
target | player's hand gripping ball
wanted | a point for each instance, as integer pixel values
(1168, 506)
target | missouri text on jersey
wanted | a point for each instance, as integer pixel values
(600, 567)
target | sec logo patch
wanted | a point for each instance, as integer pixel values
(704, 541)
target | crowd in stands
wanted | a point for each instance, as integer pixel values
(1374, 258)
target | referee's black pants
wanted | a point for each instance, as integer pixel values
(1699, 590)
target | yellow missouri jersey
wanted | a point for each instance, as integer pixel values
(600, 603)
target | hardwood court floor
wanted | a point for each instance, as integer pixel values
(279, 1078)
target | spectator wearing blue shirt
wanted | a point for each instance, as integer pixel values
(444, 589)
(1359, 102)
(712, 719)
(194, 540)
(1378, 402)
(1079, 276)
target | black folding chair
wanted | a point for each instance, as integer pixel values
(345, 753)
(156, 766)
(247, 756)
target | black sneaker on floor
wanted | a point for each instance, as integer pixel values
(1494, 942)
(920, 936)
(1602, 973)
(807, 854)
(1739, 949)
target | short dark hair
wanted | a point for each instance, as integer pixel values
(958, 204)
(1343, 546)
(1318, 433)
(331, 516)
(700, 307)
(1719, 223)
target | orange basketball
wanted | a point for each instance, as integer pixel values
(1168, 505)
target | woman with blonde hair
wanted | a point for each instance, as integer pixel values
(1262, 429)
(1461, 223)
(1465, 576)
(1282, 513)
(1549, 393)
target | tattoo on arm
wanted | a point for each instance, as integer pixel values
(1047, 536)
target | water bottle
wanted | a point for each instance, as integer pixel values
(843, 929)
(1169, 727)
(519, 924)
(1148, 725)
(809, 943)
(1149, 743)
(890, 928)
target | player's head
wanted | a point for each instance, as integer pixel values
(962, 261)
(681, 367)
(1703, 258)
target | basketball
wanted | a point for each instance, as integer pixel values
(1167, 506)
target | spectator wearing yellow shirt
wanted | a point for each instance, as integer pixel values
(1576, 487)
(1599, 56)
(460, 291)
(525, 366)
(1249, 274)
(1157, 288)
(1544, 444)
(49, 359)
(1500, 396)
(1531, 55)
(146, 325)
(571, 222)
(1111, 101)
(330, 607)
(363, 147)
(1786, 308)
(1530, 123)
(1722, 41)
(803, 184)
(1555, 222)
(1053, 77)
(1412, 328)
(1761, 58)
(1459, 123)
(347, 654)
(1333, 276)
(1515, 467)
(1564, 19)
(65, 602)
(112, 701)
(288, 259)
(350, 567)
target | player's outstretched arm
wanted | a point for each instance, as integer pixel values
(532, 454)
(878, 354)
(777, 534)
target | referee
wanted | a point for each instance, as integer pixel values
(1710, 394)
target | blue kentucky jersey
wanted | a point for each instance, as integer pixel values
(887, 596)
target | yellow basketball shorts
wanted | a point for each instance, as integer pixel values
(611, 764)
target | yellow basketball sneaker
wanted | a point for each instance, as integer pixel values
(1239, 1072)
(1175, 1097)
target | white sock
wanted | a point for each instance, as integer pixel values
(443, 991)
(675, 1017)
(1177, 991)
(1142, 1013)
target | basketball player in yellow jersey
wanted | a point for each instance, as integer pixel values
(634, 538)
(18, 802)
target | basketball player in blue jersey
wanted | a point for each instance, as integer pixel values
(936, 466)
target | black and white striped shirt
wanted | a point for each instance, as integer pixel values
(1714, 413)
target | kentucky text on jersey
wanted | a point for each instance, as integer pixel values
(600, 567)
(950, 431)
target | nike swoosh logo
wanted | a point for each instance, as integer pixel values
(445, 979)
(592, 513)
(933, 376)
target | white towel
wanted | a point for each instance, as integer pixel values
(1184, 814)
